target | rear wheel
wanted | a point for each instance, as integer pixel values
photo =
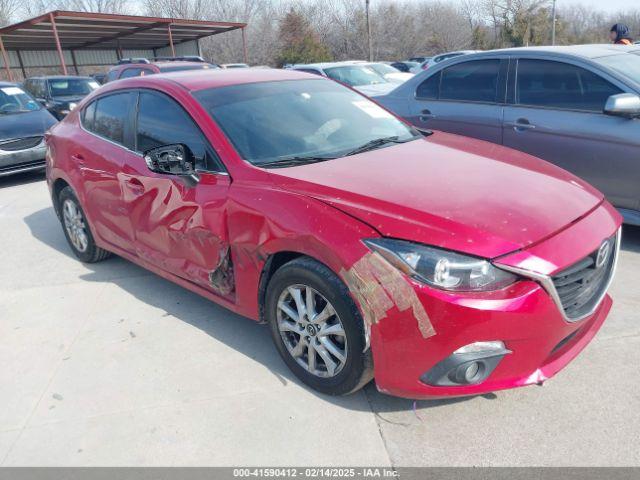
(76, 228)
(317, 328)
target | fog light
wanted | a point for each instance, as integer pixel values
(471, 371)
(469, 365)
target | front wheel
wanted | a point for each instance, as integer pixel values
(317, 328)
(76, 229)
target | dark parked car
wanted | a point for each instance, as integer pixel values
(577, 107)
(99, 77)
(406, 66)
(143, 67)
(60, 94)
(23, 122)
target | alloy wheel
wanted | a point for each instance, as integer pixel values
(75, 226)
(312, 331)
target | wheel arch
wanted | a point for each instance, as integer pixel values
(273, 262)
(58, 185)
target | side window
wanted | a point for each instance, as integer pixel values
(472, 81)
(43, 88)
(161, 121)
(111, 116)
(309, 70)
(112, 75)
(88, 116)
(430, 88)
(28, 86)
(545, 83)
(35, 88)
(131, 72)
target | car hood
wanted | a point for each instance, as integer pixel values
(449, 191)
(377, 89)
(66, 99)
(27, 124)
(399, 77)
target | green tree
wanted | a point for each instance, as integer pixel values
(299, 43)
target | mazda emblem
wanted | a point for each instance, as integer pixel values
(603, 254)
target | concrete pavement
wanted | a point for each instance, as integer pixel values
(108, 364)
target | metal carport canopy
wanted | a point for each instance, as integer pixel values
(64, 30)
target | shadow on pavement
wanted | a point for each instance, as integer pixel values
(244, 335)
(22, 178)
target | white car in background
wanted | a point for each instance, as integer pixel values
(356, 74)
(388, 72)
(234, 65)
(445, 56)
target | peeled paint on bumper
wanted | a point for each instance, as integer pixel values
(378, 287)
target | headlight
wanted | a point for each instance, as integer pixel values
(441, 268)
(72, 106)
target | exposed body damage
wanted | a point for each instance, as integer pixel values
(379, 287)
(221, 279)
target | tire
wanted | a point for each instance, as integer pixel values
(72, 223)
(356, 369)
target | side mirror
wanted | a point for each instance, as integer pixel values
(174, 159)
(623, 105)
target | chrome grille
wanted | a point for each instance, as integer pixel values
(581, 286)
(20, 144)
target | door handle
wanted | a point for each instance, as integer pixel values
(426, 115)
(78, 158)
(521, 125)
(135, 186)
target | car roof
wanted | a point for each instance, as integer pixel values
(454, 52)
(8, 84)
(194, 80)
(585, 51)
(58, 77)
(166, 63)
(323, 65)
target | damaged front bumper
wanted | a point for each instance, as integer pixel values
(534, 339)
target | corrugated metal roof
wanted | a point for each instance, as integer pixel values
(97, 31)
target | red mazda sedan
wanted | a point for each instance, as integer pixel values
(440, 265)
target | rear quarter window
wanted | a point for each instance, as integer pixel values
(111, 118)
(88, 115)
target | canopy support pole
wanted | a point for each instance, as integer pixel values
(173, 50)
(58, 46)
(5, 58)
(244, 46)
(24, 71)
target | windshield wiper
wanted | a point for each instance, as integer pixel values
(293, 161)
(376, 143)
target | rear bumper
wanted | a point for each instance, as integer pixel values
(523, 316)
(22, 161)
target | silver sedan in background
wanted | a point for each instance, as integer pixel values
(577, 107)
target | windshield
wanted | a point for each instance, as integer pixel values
(15, 100)
(178, 67)
(72, 87)
(272, 121)
(355, 75)
(383, 68)
(626, 64)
